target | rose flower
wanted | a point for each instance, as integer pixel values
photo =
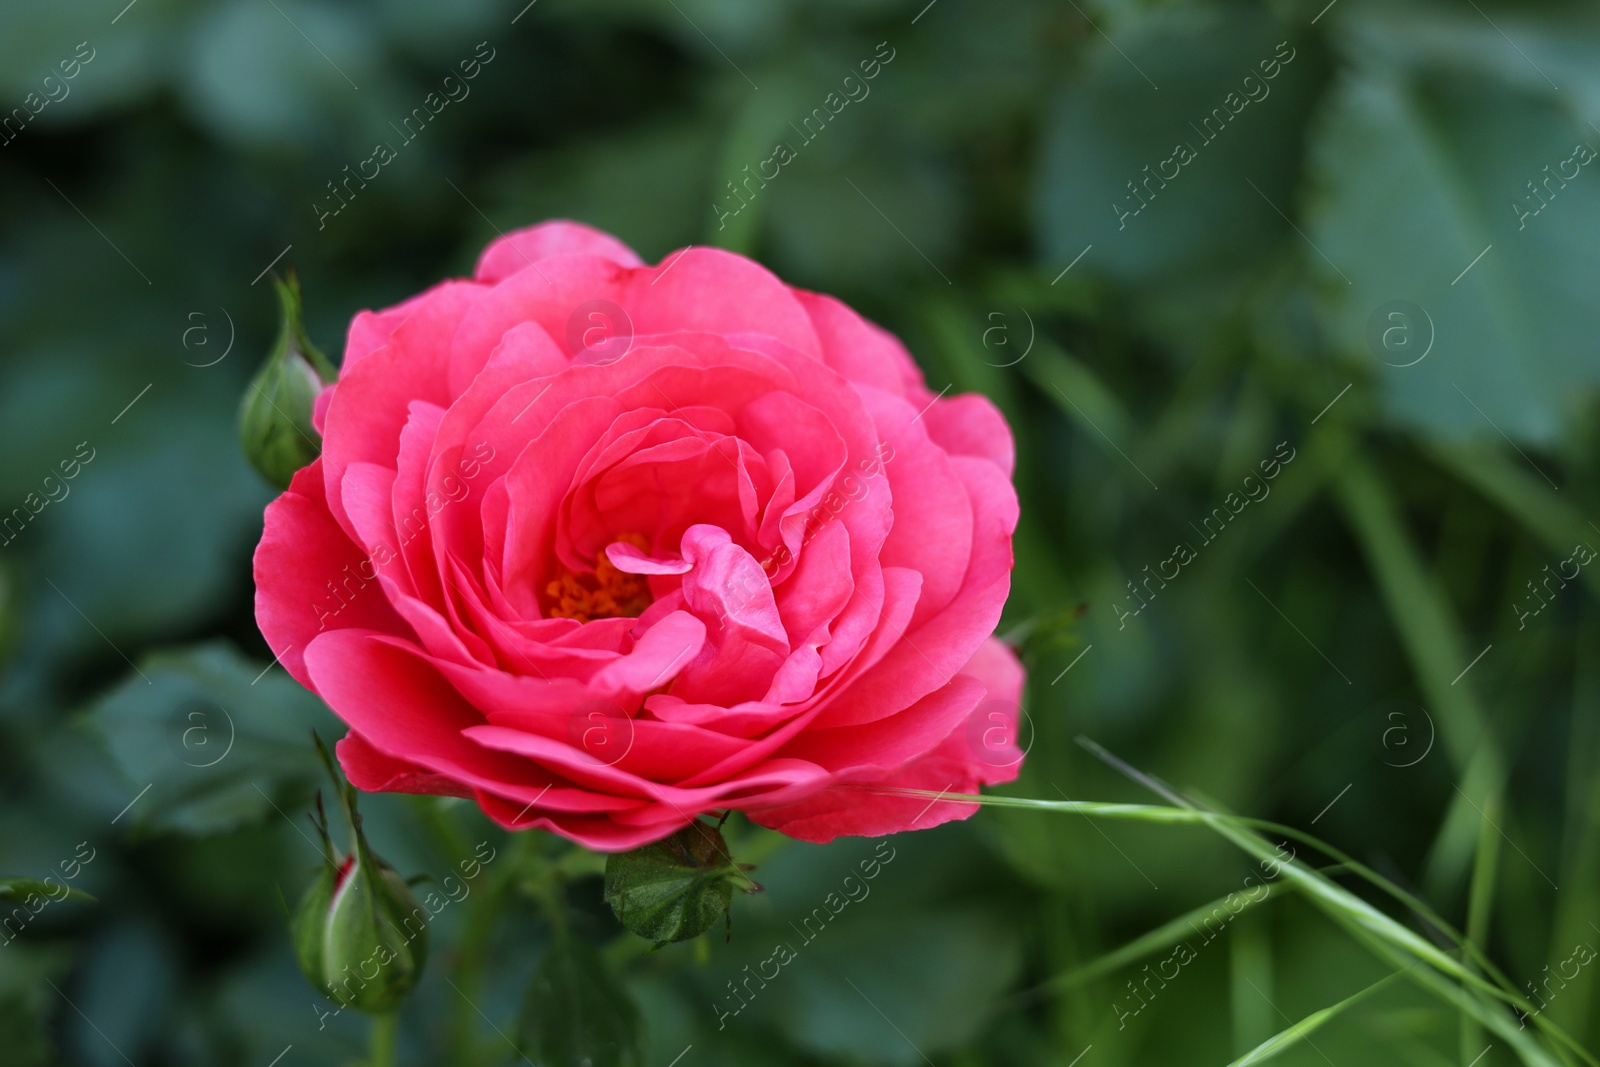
(606, 547)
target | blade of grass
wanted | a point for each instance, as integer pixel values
(1148, 944)
(1578, 906)
(1135, 812)
(1480, 904)
(1469, 948)
(1301, 1031)
(1520, 1040)
(1251, 973)
(1319, 890)
(1352, 912)
(1345, 862)
(1356, 915)
(1188, 816)
(1359, 916)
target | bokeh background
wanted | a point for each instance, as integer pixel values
(1382, 262)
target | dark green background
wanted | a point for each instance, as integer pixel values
(1316, 645)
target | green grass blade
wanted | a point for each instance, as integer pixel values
(1350, 911)
(1577, 906)
(1152, 813)
(1480, 904)
(1520, 1040)
(1301, 1031)
(1414, 903)
(1164, 936)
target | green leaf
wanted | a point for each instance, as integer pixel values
(1112, 122)
(22, 888)
(215, 738)
(1424, 165)
(575, 1014)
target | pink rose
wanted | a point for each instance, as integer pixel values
(606, 546)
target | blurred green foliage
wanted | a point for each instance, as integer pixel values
(1373, 651)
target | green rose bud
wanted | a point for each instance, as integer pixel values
(367, 961)
(359, 935)
(677, 888)
(275, 414)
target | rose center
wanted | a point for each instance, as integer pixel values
(606, 593)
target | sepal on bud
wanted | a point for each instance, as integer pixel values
(275, 413)
(676, 888)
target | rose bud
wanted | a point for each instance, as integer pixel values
(275, 415)
(676, 888)
(359, 935)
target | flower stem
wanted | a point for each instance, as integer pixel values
(385, 1030)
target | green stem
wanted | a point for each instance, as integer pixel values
(385, 1031)
(483, 912)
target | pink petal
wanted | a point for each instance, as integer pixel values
(520, 249)
(659, 656)
(373, 772)
(299, 566)
(631, 560)
(746, 644)
(970, 425)
(374, 397)
(862, 809)
(406, 710)
(371, 330)
(861, 351)
(719, 292)
(929, 655)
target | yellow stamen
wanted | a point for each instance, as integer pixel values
(606, 593)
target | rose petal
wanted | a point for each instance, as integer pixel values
(300, 565)
(521, 249)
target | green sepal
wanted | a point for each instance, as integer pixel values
(674, 889)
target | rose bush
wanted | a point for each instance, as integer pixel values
(606, 546)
